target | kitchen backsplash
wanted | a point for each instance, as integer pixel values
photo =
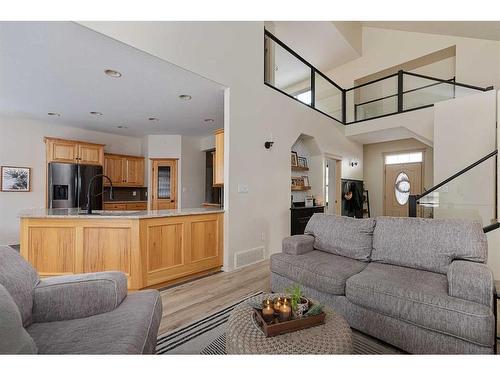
(127, 194)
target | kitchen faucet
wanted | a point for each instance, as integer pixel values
(89, 191)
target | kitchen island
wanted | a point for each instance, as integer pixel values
(153, 248)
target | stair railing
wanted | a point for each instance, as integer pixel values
(408, 91)
(414, 199)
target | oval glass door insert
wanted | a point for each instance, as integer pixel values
(402, 188)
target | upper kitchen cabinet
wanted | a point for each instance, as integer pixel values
(90, 154)
(124, 170)
(218, 167)
(75, 152)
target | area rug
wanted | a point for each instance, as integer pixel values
(207, 336)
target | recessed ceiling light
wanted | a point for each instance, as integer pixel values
(96, 113)
(153, 119)
(113, 73)
(122, 127)
(209, 120)
(54, 114)
(185, 97)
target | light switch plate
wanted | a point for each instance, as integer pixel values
(242, 189)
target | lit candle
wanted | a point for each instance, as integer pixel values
(267, 302)
(277, 304)
(268, 313)
(285, 312)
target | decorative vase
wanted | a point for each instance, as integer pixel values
(302, 307)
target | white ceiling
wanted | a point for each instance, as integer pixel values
(468, 29)
(59, 67)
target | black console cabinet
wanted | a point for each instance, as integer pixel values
(300, 217)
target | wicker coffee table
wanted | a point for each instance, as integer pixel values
(244, 337)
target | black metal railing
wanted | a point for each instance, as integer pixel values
(413, 200)
(289, 73)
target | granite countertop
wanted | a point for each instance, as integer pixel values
(74, 213)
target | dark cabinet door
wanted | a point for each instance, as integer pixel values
(300, 217)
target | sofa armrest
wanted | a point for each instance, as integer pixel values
(471, 281)
(298, 244)
(78, 296)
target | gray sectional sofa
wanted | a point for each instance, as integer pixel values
(77, 314)
(419, 284)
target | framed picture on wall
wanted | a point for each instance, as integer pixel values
(15, 179)
(302, 162)
(295, 162)
(297, 181)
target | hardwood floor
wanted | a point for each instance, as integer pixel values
(195, 299)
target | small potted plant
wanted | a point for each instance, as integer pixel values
(298, 302)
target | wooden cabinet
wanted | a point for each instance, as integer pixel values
(90, 154)
(218, 167)
(300, 217)
(164, 181)
(74, 152)
(115, 206)
(150, 251)
(124, 170)
(138, 206)
(125, 206)
(113, 168)
(134, 171)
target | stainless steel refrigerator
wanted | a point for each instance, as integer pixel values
(68, 184)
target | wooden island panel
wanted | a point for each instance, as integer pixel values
(106, 249)
(204, 239)
(180, 246)
(150, 251)
(52, 250)
(165, 246)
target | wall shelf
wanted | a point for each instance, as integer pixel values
(299, 169)
(301, 188)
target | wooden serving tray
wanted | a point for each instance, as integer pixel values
(293, 325)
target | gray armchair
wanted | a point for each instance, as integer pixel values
(77, 314)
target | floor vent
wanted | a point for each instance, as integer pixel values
(244, 258)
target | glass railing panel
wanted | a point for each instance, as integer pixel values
(327, 97)
(469, 196)
(465, 91)
(286, 72)
(420, 92)
(373, 100)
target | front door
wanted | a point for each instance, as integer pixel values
(401, 181)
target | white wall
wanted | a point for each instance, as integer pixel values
(477, 61)
(21, 144)
(193, 172)
(374, 175)
(231, 53)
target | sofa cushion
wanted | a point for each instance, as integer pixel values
(317, 269)
(342, 235)
(421, 298)
(428, 244)
(19, 278)
(13, 337)
(130, 329)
